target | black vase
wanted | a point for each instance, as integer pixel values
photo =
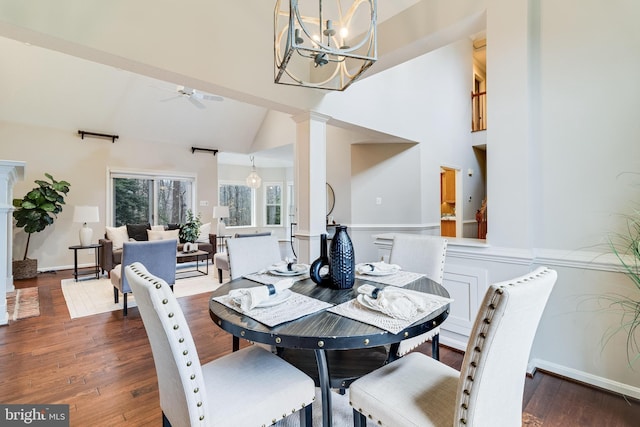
(323, 279)
(342, 265)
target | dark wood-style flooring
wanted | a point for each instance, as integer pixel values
(102, 367)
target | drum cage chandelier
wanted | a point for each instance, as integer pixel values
(320, 51)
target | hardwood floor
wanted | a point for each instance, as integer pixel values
(102, 367)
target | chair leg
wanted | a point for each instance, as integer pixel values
(359, 420)
(306, 416)
(220, 275)
(236, 343)
(115, 295)
(165, 421)
(435, 346)
(124, 302)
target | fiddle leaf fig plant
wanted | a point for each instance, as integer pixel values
(190, 231)
(40, 206)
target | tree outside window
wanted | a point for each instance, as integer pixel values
(273, 204)
(152, 199)
(239, 199)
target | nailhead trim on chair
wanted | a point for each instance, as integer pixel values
(477, 351)
(479, 343)
(181, 340)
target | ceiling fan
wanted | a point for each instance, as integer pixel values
(194, 96)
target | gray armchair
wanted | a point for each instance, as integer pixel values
(158, 255)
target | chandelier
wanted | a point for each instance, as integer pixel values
(253, 180)
(323, 44)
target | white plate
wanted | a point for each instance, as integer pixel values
(378, 273)
(297, 269)
(278, 298)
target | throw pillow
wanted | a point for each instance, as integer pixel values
(173, 226)
(117, 235)
(163, 235)
(158, 227)
(138, 232)
(205, 229)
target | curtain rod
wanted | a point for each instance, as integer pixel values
(113, 138)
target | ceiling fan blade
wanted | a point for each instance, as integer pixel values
(171, 99)
(195, 102)
(212, 97)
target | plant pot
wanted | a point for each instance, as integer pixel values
(25, 269)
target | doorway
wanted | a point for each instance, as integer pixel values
(448, 198)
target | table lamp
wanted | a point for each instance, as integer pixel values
(221, 212)
(85, 214)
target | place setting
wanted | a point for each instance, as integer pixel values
(390, 308)
(275, 272)
(272, 303)
(388, 274)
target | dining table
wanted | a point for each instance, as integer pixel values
(327, 331)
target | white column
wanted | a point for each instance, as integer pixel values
(310, 173)
(10, 172)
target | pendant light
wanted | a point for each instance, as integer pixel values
(253, 180)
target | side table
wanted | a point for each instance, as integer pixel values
(93, 270)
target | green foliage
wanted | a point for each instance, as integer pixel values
(626, 247)
(190, 231)
(40, 207)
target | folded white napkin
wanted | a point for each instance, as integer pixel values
(249, 298)
(394, 302)
(377, 267)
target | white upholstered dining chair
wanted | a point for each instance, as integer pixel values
(221, 259)
(417, 390)
(251, 254)
(250, 387)
(424, 254)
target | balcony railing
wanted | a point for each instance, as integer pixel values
(479, 110)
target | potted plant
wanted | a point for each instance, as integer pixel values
(626, 247)
(190, 231)
(34, 212)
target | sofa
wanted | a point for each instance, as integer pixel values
(111, 244)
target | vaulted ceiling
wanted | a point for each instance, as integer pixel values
(46, 80)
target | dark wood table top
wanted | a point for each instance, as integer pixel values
(322, 330)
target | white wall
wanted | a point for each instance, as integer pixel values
(84, 163)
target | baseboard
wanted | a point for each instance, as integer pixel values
(583, 377)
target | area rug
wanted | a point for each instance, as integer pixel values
(88, 297)
(341, 414)
(23, 303)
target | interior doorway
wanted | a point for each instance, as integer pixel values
(450, 225)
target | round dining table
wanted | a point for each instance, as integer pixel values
(325, 333)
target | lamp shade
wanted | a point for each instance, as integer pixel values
(85, 214)
(221, 212)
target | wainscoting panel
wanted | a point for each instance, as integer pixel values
(466, 286)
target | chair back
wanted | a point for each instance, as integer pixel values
(251, 254)
(420, 253)
(494, 367)
(158, 256)
(180, 380)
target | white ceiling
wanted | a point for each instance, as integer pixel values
(42, 87)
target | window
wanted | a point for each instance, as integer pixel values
(273, 204)
(147, 197)
(239, 199)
